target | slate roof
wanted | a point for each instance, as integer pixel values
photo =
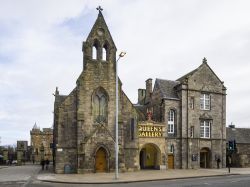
(241, 135)
(167, 88)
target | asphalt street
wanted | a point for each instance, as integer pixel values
(25, 176)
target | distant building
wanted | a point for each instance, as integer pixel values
(22, 152)
(239, 138)
(41, 141)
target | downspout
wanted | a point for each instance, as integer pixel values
(222, 126)
(187, 129)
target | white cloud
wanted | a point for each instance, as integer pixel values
(40, 48)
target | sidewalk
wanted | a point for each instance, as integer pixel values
(139, 176)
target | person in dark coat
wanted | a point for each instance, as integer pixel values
(218, 163)
(42, 163)
(47, 164)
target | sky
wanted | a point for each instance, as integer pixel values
(41, 42)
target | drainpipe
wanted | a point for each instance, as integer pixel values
(187, 127)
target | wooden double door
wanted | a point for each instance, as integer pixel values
(101, 160)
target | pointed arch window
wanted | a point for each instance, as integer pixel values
(100, 105)
(105, 52)
(94, 52)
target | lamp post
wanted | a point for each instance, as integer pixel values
(122, 54)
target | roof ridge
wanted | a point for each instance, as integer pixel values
(167, 80)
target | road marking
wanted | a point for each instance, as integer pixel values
(234, 181)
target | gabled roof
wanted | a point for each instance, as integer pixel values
(100, 23)
(240, 135)
(204, 63)
(167, 88)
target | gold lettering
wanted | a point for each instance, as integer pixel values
(153, 134)
(150, 131)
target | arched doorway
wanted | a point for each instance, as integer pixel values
(101, 160)
(205, 158)
(150, 157)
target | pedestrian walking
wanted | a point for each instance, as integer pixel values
(218, 163)
(229, 163)
(47, 164)
(42, 163)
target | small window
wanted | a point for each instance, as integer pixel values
(132, 128)
(191, 103)
(205, 128)
(171, 148)
(205, 102)
(192, 131)
(171, 120)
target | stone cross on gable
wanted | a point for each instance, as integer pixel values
(99, 8)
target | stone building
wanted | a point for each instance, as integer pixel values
(41, 141)
(240, 150)
(193, 108)
(22, 152)
(176, 124)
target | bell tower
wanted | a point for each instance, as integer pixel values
(99, 46)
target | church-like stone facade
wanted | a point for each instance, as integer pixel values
(177, 124)
(41, 140)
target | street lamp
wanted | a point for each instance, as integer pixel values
(122, 54)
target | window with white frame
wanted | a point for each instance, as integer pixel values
(205, 128)
(171, 120)
(205, 102)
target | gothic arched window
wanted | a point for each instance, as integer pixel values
(105, 52)
(100, 105)
(94, 52)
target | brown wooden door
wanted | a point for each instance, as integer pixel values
(100, 162)
(170, 161)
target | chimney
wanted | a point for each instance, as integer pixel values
(148, 90)
(141, 96)
(231, 125)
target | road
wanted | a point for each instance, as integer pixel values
(18, 175)
(25, 176)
